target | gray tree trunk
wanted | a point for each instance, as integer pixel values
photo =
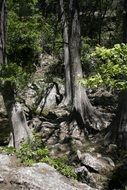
(117, 133)
(81, 103)
(2, 31)
(125, 21)
(20, 130)
(118, 130)
(68, 90)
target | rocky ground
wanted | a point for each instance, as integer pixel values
(97, 163)
(39, 176)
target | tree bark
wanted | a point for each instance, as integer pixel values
(2, 31)
(68, 90)
(19, 128)
(82, 106)
(125, 22)
(118, 129)
(20, 131)
(117, 133)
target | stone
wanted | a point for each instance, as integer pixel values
(1, 179)
(41, 176)
(97, 163)
(2, 107)
(49, 100)
(47, 130)
(5, 160)
(37, 124)
(112, 148)
(85, 176)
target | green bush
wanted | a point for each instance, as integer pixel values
(36, 152)
(23, 32)
(110, 67)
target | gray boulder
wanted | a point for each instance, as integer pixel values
(41, 176)
(5, 160)
(85, 176)
(96, 162)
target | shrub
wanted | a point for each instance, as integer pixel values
(110, 67)
(36, 152)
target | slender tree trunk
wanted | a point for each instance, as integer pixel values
(68, 90)
(125, 22)
(2, 31)
(20, 130)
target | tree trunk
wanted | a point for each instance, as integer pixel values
(118, 130)
(82, 106)
(20, 130)
(125, 22)
(68, 90)
(2, 31)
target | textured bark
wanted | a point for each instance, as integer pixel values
(125, 22)
(68, 90)
(82, 106)
(19, 128)
(2, 31)
(118, 130)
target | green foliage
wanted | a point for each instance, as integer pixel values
(110, 67)
(36, 152)
(13, 73)
(86, 50)
(32, 152)
(7, 150)
(23, 32)
(62, 165)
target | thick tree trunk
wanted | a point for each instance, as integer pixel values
(20, 130)
(80, 99)
(81, 103)
(68, 90)
(118, 131)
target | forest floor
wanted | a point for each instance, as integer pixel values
(98, 164)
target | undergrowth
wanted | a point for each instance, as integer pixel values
(37, 152)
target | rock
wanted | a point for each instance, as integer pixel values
(85, 176)
(47, 130)
(37, 124)
(41, 176)
(112, 148)
(30, 96)
(2, 107)
(5, 160)
(63, 132)
(96, 163)
(77, 144)
(1, 179)
(59, 149)
(50, 98)
(76, 132)
(110, 161)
